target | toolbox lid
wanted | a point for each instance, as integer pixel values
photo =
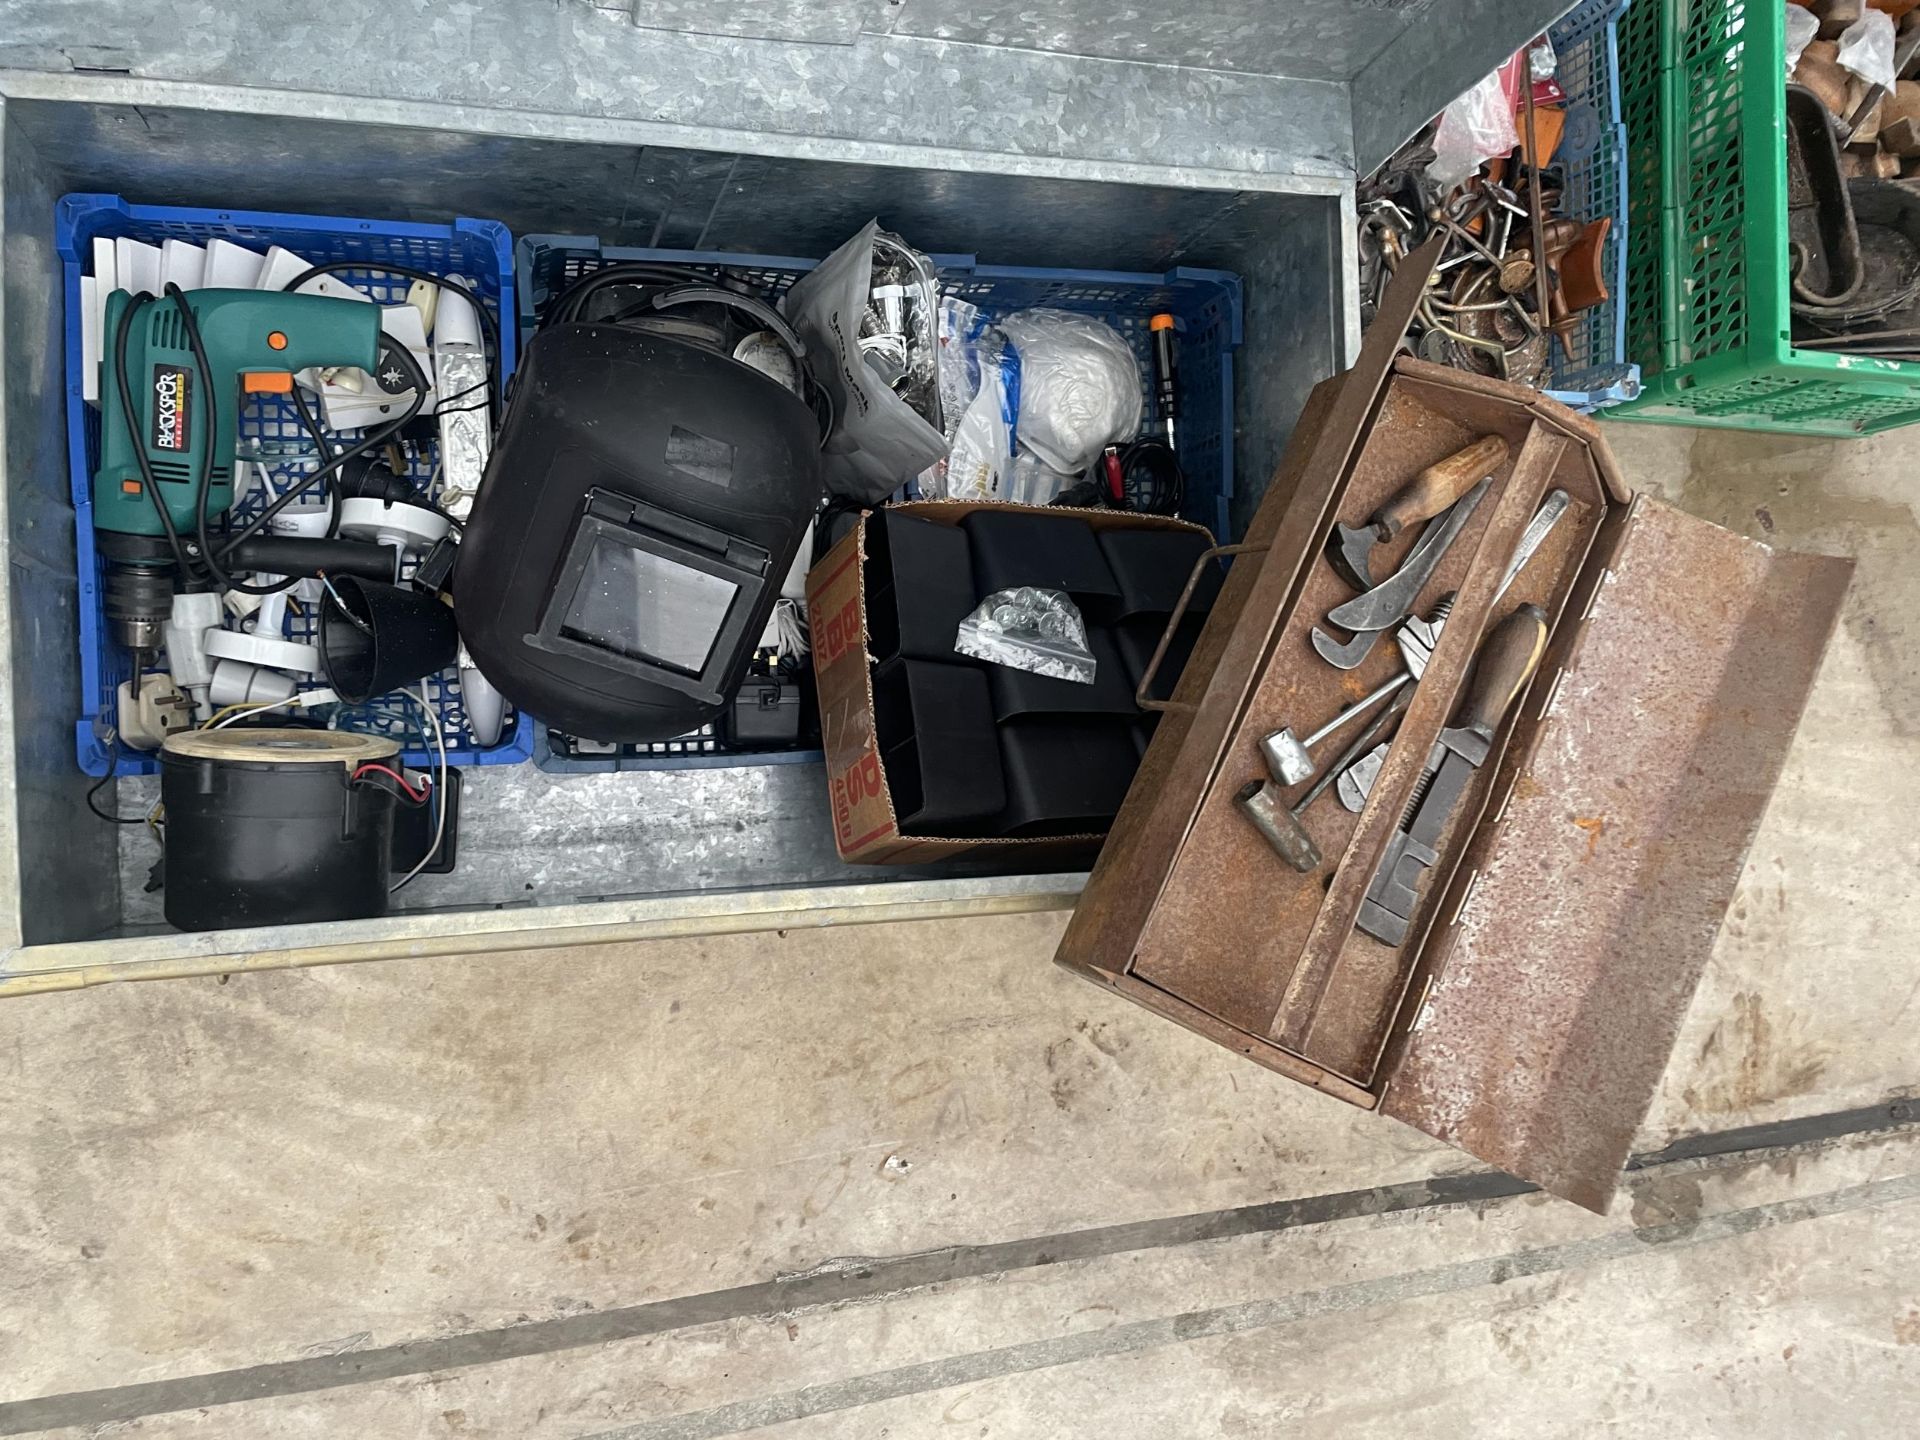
(1578, 925)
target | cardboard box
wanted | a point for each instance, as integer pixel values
(865, 827)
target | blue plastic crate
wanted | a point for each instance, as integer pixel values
(479, 251)
(1591, 371)
(1205, 304)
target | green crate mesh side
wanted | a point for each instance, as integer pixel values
(1698, 284)
(1712, 196)
(1707, 28)
(1639, 42)
(1780, 400)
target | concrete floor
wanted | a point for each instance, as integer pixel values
(912, 1180)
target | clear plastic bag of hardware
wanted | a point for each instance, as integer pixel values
(878, 440)
(980, 396)
(1030, 629)
(899, 334)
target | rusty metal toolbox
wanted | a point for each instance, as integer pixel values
(1528, 1014)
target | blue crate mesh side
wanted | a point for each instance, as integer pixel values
(1593, 359)
(550, 264)
(1203, 307)
(271, 422)
(1204, 334)
(1206, 309)
(1583, 22)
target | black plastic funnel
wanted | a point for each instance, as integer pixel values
(375, 638)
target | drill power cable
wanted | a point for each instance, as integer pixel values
(490, 328)
(440, 816)
(147, 479)
(206, 560)
(93, 790)
(401, 356)
(320, 442)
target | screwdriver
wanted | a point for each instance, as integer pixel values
(1161, 327)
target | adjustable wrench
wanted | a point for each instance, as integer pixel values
(1505, 664)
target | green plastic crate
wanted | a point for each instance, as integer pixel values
(1702, 94)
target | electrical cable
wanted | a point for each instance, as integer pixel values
(1152, 480)
(1145, 477)
(692, 289)
(442, 408)
(378, 720)
(440, 819)
(401, 355)
(387, 787)
(325, 447)
(208, 557)
(148, 481)
(241, 712)
(93, 790)
(566, 307)
(340, 601)
(224, 710)
(490, 328)
(417, 797)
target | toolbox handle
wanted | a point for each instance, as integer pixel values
(1140, 696)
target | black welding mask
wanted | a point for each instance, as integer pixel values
(645, 499)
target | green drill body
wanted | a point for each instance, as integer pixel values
(263, 334)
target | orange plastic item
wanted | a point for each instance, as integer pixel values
(269, 382)
(129, 487)
(1583, 278)
(1549, 123)
(276, 339)
(1164, 321)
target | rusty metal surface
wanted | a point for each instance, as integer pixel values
(1511, 504)
(1151, 828)
(1232, 919)
(1363, 993)
(1574, 931)
(1236, 932)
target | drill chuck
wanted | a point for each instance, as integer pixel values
(138, 603)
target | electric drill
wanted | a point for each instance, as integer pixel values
(254, 341)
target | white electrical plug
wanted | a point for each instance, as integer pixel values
(161, 709)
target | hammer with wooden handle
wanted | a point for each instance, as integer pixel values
(1422, 498)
